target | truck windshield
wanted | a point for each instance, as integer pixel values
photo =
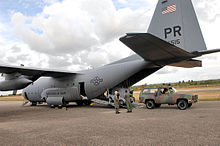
(173, 90)
(150, 91)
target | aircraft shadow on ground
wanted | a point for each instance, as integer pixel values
(70, 106)
(97, 106)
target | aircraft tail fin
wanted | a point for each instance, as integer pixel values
(175, 21)
(174, 36)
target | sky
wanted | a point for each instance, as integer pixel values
(83, 34)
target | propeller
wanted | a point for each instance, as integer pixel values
(26, 102)
(15, 92)
(3, 75)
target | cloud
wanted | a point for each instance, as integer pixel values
(15, 49)
(167, 70)
(60, 30)
(206, 10)
(122, 1)
(82, 34)
(50, 1)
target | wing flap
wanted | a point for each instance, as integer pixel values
(188, 63)
(153, 49)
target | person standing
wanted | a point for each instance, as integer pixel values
(116, 98)
(128, 101)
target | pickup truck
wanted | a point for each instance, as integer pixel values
(154, 97)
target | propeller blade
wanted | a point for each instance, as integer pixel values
(26, 102)
(3, 75)
(15, 92)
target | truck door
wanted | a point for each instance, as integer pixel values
(162, 97)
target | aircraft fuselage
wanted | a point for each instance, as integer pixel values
(90, 83)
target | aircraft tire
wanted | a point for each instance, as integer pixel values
(121, 102)
(79, 103)
(33, 103)
(87, 102)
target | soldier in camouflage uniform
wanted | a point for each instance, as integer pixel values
(128, 101)
(116, 102)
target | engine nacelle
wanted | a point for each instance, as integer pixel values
(14, 84)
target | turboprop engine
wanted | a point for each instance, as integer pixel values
(14, 81)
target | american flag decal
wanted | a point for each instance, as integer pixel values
(169, 9)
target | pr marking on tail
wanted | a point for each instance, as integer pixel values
(176, 30)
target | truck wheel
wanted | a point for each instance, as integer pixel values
(182, 104)
(157, 105)
(33, 103)
(150, 104)
(189, 105)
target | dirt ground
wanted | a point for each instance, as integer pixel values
(12, 98)
(99, 125)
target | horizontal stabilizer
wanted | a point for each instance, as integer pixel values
(188, 63)
(200, 53)
(154, 49)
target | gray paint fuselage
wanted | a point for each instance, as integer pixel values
(97, 81)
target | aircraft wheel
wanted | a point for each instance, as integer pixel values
(150, 104)
(121, 102)
(87, 102)
(79, 103)
(110, 99)
(182, 104)
(33, 103)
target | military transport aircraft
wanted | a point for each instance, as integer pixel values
(174, 38)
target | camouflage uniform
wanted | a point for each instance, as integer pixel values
(128, 102)
(116, 102)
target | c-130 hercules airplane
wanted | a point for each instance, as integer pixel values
(174, 38)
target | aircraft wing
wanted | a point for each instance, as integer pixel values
(154, 49)
(17, 78)
(33, 71)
